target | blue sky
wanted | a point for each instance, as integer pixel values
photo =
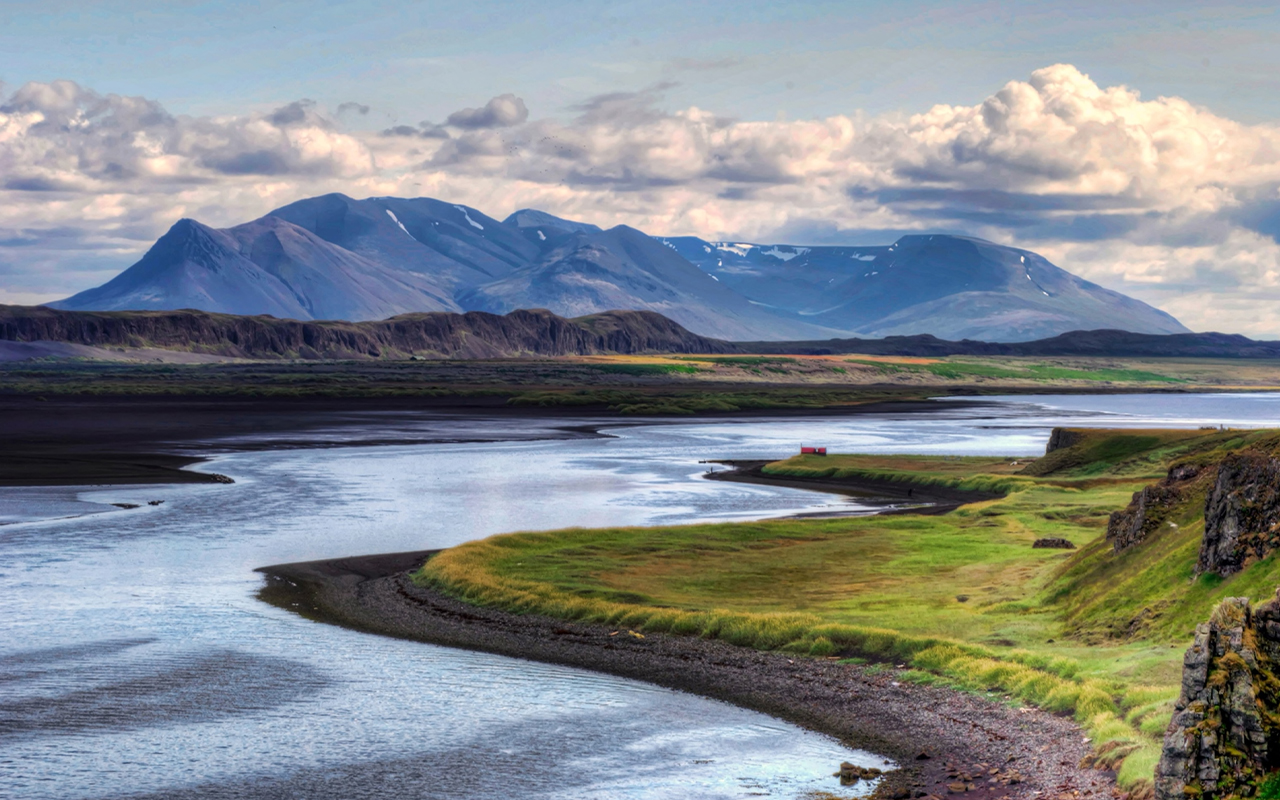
(1134, 143)
(752, 60)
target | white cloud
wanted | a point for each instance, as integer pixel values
(502, 111)
(1158, 197)
(1232, 285)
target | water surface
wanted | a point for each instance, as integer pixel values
(135, 660)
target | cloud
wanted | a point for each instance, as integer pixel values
(348, 107)
(293, 113)
(423, 130)
(502, 111)
(616, 108)
(61, 137)
(1155, 197)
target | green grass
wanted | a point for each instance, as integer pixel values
(1017, 369)
(704, 400)
(739, 361)
(961, 597)
(977, 474)
(648, 369)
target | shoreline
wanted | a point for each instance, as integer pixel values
(96, 440)
(882, 496)
(103, 469)
(959, 734)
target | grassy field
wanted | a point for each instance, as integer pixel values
(676, 384)
(960, 598)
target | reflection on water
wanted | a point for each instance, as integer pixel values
(135, 661)
(119, 693)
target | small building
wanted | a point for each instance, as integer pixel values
(812, 451)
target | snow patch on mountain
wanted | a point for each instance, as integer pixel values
(785, 255)
(468, 218)
(394, 219)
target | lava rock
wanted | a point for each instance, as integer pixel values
(1149, 508)
(1219, 742)
(1241, 514)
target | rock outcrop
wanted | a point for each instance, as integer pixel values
(1061, 439)
(1149, 509)
(1241, 514)
(1224, 737)
(1053, 543)
(1241, 510)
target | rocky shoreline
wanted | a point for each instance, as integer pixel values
(945, 742)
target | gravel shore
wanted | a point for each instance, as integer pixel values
(946, 742)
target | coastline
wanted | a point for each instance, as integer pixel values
(887, 497)
(102, 469)
(959, 734)
(121, 440)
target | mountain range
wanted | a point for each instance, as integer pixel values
(336, 258)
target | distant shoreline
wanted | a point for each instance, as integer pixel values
(113, 440)
(885, 497)
(864, 708)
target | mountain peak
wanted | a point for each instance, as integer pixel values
(533, 218)
(186, 228)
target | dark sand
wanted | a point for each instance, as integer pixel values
(944, 740)
(73, 440)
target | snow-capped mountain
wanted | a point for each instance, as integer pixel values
(953, 287)
(333, 257)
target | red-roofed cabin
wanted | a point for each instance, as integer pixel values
(813, 451)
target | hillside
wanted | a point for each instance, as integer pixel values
(948, 286)
(623, 268)
(37, 327)
(335, 257)
(1096, 343)
(435, 335)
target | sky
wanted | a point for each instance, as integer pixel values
(1136, 144)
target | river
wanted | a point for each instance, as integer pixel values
(135, 660)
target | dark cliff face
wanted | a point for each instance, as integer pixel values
(1061, 439)
(1224, 737)
(439, 334)
(1241, 510)
(1149, 509)
(1241, 514)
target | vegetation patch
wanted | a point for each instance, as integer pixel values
(1020, 370)
(648, 369)
(962, 598)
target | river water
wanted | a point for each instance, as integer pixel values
(136, 662)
